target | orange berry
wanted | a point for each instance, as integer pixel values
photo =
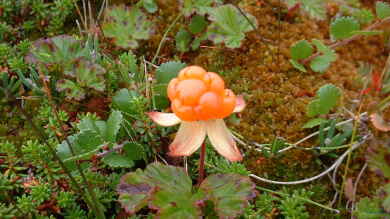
(172, 91)
(199, 95)
(190, 90)
(215, 82)
(192, 72)
(184, 112)
(210, 104)
(229, 103)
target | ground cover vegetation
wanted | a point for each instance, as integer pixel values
(294, 123)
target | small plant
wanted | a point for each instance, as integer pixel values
(73, 59)
(315, 8)
(229, 26)
(126, 26)
(169, 190)
(343, 30)
(327, 97)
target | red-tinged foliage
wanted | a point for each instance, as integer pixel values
(375, 83)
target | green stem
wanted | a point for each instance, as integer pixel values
(99, 213)
(300, 198)
(54, 154)
(356, 123)
(165, 35)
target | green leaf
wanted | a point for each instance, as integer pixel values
(328, 95)
(183, 39)
(301, 50)
(198, 24)
(62, 50)
(230, 193)
(229, 26)
(382, 9)
(113, 125)
(134, 191)
(313, 123)
(326, 98)
(117, 160)
(167, 189)
(313, 108)
(124, 100)
(378, 160)
(128, 67)
(343, 27)
(131, 151)
(315, 8)
(167, 71)
(364, 16)
(71, 89)
(386, 201)
(150, 6)
(84, 145)
(368, 208)
(322, 62)
(164, 74)
(88, 74)
(160, 96)
(198, 39)
(298, 65)
(127, 26)
(197, 6)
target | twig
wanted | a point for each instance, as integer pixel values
(165, 35)
(335, 164)
(356, 185)
(115, 148)
(348, 40)
(201, 163)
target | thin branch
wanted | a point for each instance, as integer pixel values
(115, 148)
(356, 185)
(165, 36)
(348, 40)
(335, 164)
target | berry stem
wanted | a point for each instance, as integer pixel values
(201, 163)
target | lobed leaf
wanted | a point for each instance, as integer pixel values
(131, 151)
(164, 73)
(344, 27)
(322, 62)
(126, 26)
(382, 9)
(183, 39)
(230, 193)
(229, 26)
(301, 50)
(326, 98)
(167, 71)
(198, 24)
(167, 189)
(113, 126)
(197, 6)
